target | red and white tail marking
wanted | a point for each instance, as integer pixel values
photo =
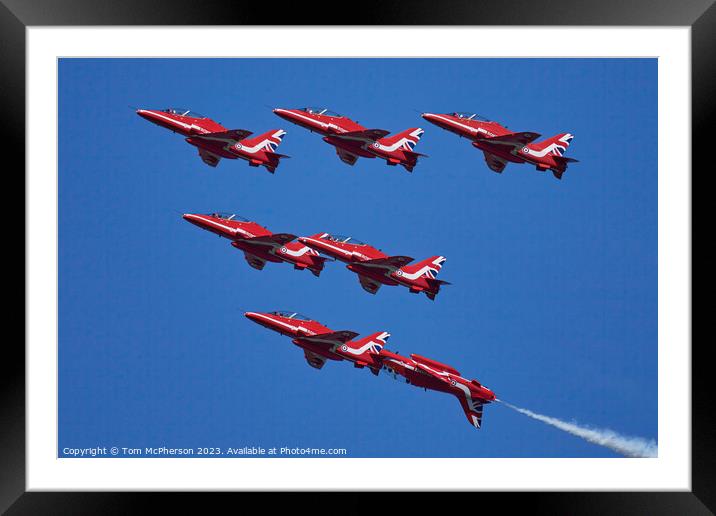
(405, 140)
(371, 344)
(556, 145)
(268, 141)
(428, 268)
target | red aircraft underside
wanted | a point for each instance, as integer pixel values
(258, 243)
(321, 344)
(215, 141)
(352, 140)
(375, 268)
(501, 146)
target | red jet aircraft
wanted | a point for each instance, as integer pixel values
(500, 145)
(374, 267)
(430, 374)
(214, 141)
(258, 243)
(352, 140)
(320, 343)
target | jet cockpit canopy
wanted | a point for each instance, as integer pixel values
(291, 315)
(228, 216)
(344, 239)
(470, 116)
(183, 112)
(321, 111)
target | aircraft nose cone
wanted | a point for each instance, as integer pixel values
(193, 219)
(149, 115)
(250, 315)
(428, 116)
(283, 113)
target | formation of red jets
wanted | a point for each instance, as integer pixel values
(352, 141)
(321, 344)
(373, 267)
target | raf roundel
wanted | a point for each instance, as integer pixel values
(344, 347)
(283, 250)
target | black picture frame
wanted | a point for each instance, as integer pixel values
(17, 15)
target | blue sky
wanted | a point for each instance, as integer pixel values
(554, 297)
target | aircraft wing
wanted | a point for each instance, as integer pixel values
(366, 134)
(368, 284)
(275, 240)
(346, 157)
(231, 136)
(335, 338)
(314, 360)
(391, 262)
(254, 261)
(515, 140)
(473, 411)
(431, 371)
(209, 158)
(495, 163)
(432, 364)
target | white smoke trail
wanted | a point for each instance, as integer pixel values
(625, 445)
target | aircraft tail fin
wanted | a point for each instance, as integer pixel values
(556, 145)
(411, 159)
(434, 287)
(273, 160)
(406, 140)
(562, 163)
(367, 347)
(276, 155)
(428, 268)
(415, 155)
(318, 264)
(267, 141)
(473, 411)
